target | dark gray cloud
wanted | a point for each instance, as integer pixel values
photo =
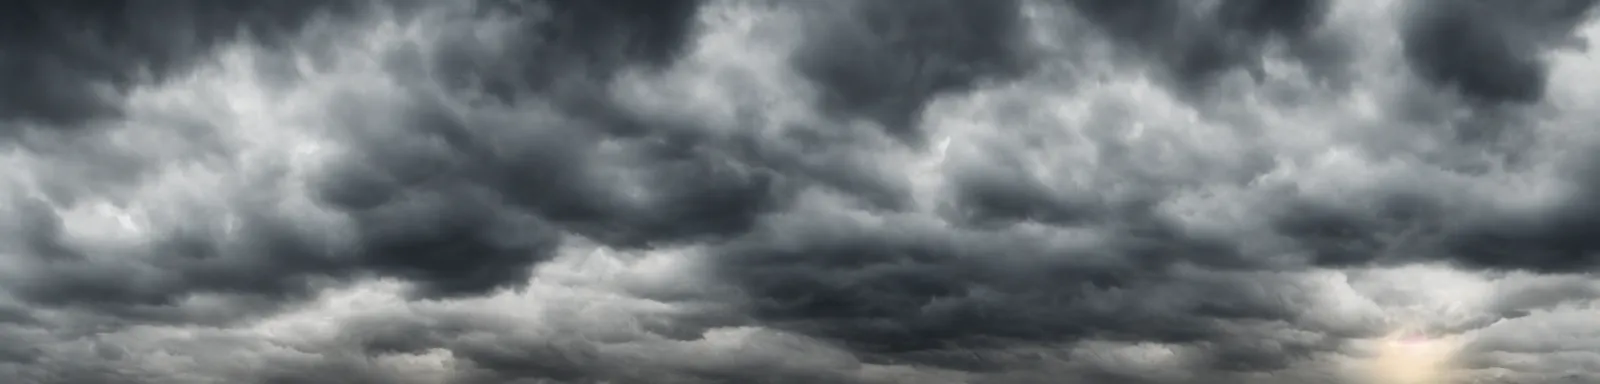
(66, 63)
(1489, 50)
(1195, 42)
(1550, 239)
(908, 289)
(553, 44)
(1407, 226)
(458, 203)
(883, 61)
(504, 191)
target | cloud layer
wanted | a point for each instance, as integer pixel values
(732, 191)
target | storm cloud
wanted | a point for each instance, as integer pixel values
(732, 191)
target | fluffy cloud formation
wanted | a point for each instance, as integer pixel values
(1030, 191)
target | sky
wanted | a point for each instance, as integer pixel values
(769, 191)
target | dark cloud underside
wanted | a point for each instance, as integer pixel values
(67, 62)
(1198, 44)
(883, 61)
(1489, 50)
(460, 204)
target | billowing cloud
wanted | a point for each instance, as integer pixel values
(72, 62)
(885, 60)
(1490, 50)
(551, 191)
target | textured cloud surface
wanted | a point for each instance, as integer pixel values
(757, 191)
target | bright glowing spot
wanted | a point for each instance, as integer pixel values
(1412, 358)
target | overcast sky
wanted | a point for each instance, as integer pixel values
(765, 191)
